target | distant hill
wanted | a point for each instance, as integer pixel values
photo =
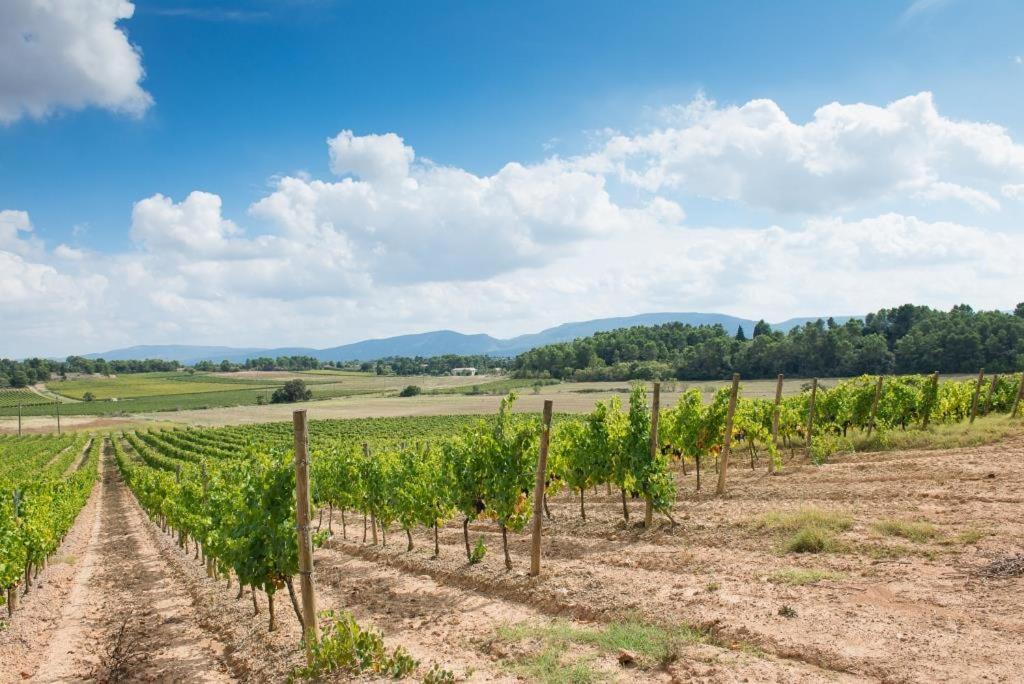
(440, 342)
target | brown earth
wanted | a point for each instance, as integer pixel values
(890, 609)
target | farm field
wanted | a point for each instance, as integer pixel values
(915, 587)
(144, 393)
(11, 397)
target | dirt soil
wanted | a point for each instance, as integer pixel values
(888, 608)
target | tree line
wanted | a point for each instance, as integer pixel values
(905, 339)
(30, 371)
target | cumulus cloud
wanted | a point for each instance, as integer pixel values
(67, 54)
(411, 221)
(847, 154)
(395, 243)
(195, 225)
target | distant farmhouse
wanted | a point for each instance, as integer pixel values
(468, 370)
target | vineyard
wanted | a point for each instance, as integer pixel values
(452, 488)
(13, 398)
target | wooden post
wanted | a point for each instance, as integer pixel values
(810, 414)
(303, 513)
(991, 390)
(655, 409)
(373, 515)
(1020, 393)
(934, 397)
(977, 391)
(874, 404)
(538, 490)
(727, 440)
(58, 415)
(775, 420)
(19, 420)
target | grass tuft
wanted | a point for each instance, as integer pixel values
(919, 532)
(652, 645)
(808, 530)
(794, 521)
(799, 577)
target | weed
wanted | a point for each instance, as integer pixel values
(812, 540)
(919, 532)
(653, 645)
(124, 655)
(805, 517)
(810, 530)
(478, 553)
(345, 647)
(438, 675)
(799, 577)
(787, 612)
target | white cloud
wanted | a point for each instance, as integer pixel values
(845, 156)
(940, 190)
(373, 158)
(15, 232)
(397, 243)
(195, 225)
(1013, 191)
(67, 54)
(409, 221)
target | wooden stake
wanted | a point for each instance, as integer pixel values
(874, 404)
(538, 489)
(58, 415)
(727, 441)
(991, 390)
(933, 397)
(775, 420)
(810, 414)
(19, 420)
(373, 515)
(977, 391)
(655, 409)
(311, 632)
(1020, 393)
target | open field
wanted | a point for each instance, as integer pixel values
(143, 393)
(908, 583)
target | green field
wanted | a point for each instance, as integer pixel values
(179, 391)
(143, 385)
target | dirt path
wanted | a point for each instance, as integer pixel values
(121, 580)
(80, 459)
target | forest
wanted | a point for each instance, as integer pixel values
(905, 339)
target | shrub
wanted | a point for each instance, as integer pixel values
(88, 396)
(293, 390)
(410, 391)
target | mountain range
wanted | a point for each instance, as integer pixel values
(440, 342)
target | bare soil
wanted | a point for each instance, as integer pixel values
(886, 608)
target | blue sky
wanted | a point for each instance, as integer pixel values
(237, 96)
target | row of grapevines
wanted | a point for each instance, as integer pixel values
(36, 514)
(240, 510)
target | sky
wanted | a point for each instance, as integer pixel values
(316, 172)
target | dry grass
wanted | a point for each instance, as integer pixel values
(798, 577)
(919, 532)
